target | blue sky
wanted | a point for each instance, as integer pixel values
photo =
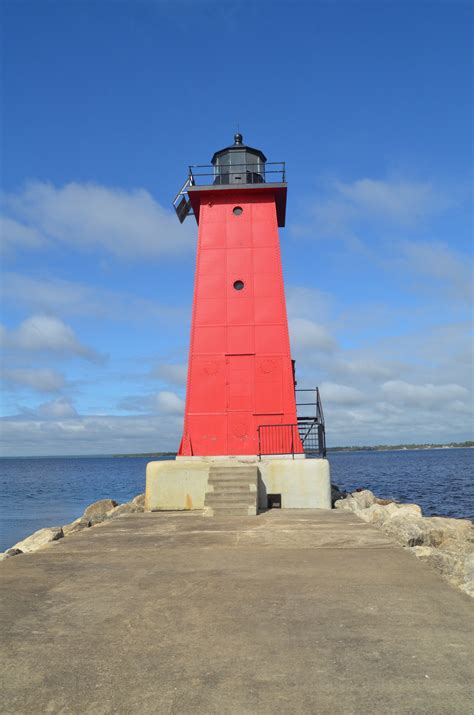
(104, 106)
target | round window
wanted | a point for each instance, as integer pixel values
(238, 285)
(237, 210)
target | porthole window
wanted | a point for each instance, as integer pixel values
(238, 285)
(237, 210)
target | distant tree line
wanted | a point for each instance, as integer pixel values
(352, 448)
(384, 447)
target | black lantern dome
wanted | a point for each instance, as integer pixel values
(239, 164)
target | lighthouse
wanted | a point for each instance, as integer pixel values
(241, 410)
(240, 375)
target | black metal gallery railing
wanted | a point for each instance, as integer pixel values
(227, 175)
(248, 173)
(309, 432)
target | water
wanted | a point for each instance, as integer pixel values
(54, 491)
(37, 492)
(439, 480)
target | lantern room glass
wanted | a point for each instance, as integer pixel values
(241, 166)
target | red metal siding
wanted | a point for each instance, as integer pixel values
(240, 373)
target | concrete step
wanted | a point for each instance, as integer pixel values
(214, 498)
(218, 482)
(232, 473)
(232, 490)
(229, 491)
(240, 473)
(229, 467)
(239, 484)
(230, 511)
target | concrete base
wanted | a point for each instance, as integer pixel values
(182, 484)
(301, 483)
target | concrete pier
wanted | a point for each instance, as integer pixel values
(287, 612)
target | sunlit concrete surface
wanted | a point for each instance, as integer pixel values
(183, 483)
(287, 612)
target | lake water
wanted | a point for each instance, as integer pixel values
(37, 492)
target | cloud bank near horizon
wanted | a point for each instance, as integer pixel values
(85, 373)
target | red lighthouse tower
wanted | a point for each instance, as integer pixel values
(241, 387)
(244, 447)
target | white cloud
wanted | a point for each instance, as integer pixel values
(441, 263)
(103, 434)
(15, 234)
(169, 403)
(409, 382)
(376, 219)
(61, 408)
(40, 379)
(424, 395)
(164, 402)
(306, 334)
(308, 302)
(402, 201)
(45, 333)
(63, 297)
(365, 367)
(341, 394)
(342, 208)
(175, 374)
(128, 224)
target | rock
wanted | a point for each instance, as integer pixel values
(97, 512)
(336, 494)
(406, 530)
(408, 510)
(12, 552)
(468, 584)
(375, 514)
(122, 509)
(383, 502)
(364, 505)
(76, 525)
(441, 530)
(139, 501)
(9, 553)
(455, 567)
(394, 509)
(421, 551)
(363, 499)
(342, 503)
(356, 502)
(39, 538)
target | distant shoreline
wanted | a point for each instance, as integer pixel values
(359, 448)
(403, 447)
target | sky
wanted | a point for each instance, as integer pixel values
(104, 106)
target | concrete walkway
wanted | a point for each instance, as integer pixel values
(287, 612)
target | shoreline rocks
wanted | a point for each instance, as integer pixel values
(95, 513)
(38, 539)
(446, 544)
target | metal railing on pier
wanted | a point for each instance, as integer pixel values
(308, 435)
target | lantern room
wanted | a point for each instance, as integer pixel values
(239, 164)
